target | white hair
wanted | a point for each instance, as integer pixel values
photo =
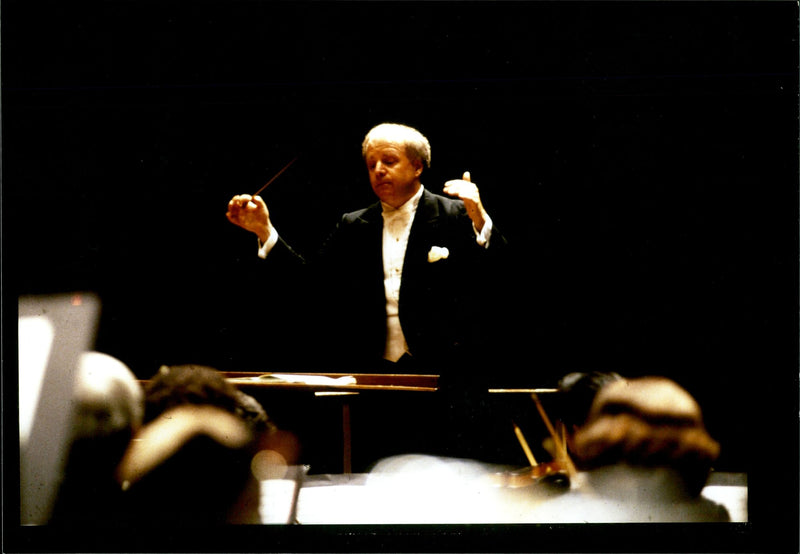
(109, 398)
(416, 144)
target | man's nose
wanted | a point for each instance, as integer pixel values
(380, 168)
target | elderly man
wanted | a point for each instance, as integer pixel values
(403, 279)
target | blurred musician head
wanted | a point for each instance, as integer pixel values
(578, 390)
(177, 385)
(647, 422)
(191, 463)
(109, 407)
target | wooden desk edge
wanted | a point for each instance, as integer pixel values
(247, 382)
(413, 382)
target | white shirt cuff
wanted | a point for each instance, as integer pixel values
(266, 247)
(485, 234)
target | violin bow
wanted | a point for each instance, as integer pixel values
(560, 445)
(524, 444)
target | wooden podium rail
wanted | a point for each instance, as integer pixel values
(344, 386)
(363, 381)
(331, 384)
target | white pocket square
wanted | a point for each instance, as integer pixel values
(437, 253)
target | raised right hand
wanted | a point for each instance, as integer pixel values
(249, 213)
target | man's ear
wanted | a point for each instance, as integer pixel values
(418, 167)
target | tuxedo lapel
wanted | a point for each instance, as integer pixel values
(420, 240)
(371, 231)
(422, 229)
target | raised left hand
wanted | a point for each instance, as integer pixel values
(467, 191)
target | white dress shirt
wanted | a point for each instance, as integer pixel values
(396, 229)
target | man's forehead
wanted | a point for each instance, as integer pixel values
(384, 146)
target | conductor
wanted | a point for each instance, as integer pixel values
(399, 286)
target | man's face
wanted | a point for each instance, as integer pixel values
(394, 178)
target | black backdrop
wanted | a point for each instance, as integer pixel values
(640, 157)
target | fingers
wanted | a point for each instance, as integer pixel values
(240, 201)
(244, 207)
(235, 207)
(255, 202)
(245, 202)
(462, 188)
(235, 203)
(467, 191)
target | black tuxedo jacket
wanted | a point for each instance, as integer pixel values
(442, 303)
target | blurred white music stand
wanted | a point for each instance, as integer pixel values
(54, 331)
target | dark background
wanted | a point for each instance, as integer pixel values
(641, 158)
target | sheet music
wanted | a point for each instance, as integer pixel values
(319, 380)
